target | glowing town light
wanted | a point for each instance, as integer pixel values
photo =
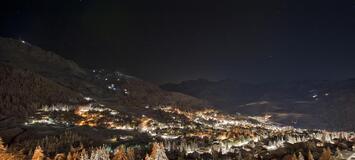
(125, 91)
(88, 98)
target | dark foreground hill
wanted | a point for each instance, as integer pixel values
(311, 104)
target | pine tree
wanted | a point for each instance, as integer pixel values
(3, 153)
(214, 154)
(300, 156)
(290, 157)
(239, 157)
(100, 153)
(131, 154)
(310, 155)
(2, 147)
(69, 156)
(120, 154)
(158, 153)
(147, 157)
(59, 156)
(75, 153)
(338, 154)
(38, 154)
(84, 155)
(326, 154)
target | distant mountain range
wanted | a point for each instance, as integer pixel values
(310, 104)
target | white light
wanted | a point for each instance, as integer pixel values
(88, 98)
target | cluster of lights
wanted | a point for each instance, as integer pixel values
(225, 132)
(111, 79)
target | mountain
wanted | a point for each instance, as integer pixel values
(309, 104)
(22, 55)
(31, 78)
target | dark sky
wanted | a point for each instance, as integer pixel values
(161, 41)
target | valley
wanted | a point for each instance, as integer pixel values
(63, 111)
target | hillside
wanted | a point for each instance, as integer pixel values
(23, 55)
(31, 78)
(21, 90)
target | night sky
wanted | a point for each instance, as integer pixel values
(169, 41)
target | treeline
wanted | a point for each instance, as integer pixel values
(80, 153)
(21, 92)
(51, 144)
(157, 152)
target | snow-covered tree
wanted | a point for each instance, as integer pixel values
(84, 155)
(131, 153)
(2, 147)
(101, 153)
(38, 154)
(338, 154)
(326, 154)
(300, 156)
(310, 155)
(60, 156)
(158, 153)
(4, 154)
(120, 153)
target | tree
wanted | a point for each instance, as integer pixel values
(310, 155)
(69, 156)
(101, 153)
(158, 153)
(38, 154)
(84, 155)
(290, 157)
(2, 147)
(326, 154)
(3, 152)
(131, 154)
(120, 154)
(59, 156)
(300, 156)
(338, 154)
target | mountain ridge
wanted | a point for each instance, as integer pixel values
(23, 55)
(316, 103)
